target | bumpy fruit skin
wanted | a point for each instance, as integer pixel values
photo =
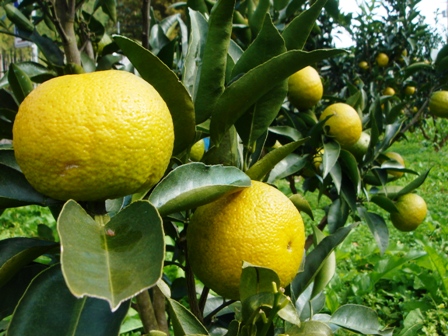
(305, 88)
(93, 136)
(382, 60)
(259, 225)
(412, 211)
(438, 104)
(345, 124)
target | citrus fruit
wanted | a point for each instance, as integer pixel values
(411, 212)
(318, 158)
(93, 136)
(409, 90)
(344, 125)
(197, 150)
(363, 65)
(359, 148)
(399, 159)
(438, 104)
(382, 59)
(259, 225)
(388, 91)
(305, 88)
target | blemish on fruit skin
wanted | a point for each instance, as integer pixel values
(69, 166)
(289, 247)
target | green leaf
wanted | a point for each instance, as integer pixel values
(15, 253)
(414, 68)
(247, 90)
(255, 280)
(286, 131)
(417, 182)
(36, 72)
(298, 30)
(193, 65)
(195, 184)
(327, 269)
(184, 322)
(107, 260)
(315, 258)
(413, 323)
(377, 226)
(12, 291)
(8, 159)
(48, 308)
(257, 119)
(262, 167)
(384, 202)
(257, 16)
(20, 83)
(337, 214)
(302, 204)
(109, 7)
(16, 17)
(228, 153)
(359, 319)
(16, 191)
(311, 328)
(330, 157)
(440, 265)
(49, 48)
(214, 60)
(350, 167)
(286, 167)
(165, 81)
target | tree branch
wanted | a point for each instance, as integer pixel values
(146, 22)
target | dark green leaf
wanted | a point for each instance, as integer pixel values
(270, 160)
(359, 319)
(302, 204)
(165, 81)
(15, 253)
(193, 65)
(49, 48)
(12, 291)
(48, 308)
(104, 259)
(350, 167)
(194, 184)
(330, 157)
(37, 72)
(255, 280)
(109, 7)
(377, 226)
(314, 259)
(258, 15)
(247, 90)
(16, 17)
(20, 83)
(417, 182)
(214, 60)
(286, 167)
(184, 322)
(286, 131)
(228, 153)
(337, 214)
(16, 191)
(7, 158)
(384, 202)
(298, 30)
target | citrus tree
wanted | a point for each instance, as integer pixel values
(195, 240)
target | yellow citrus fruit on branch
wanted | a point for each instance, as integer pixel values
(197, 150)
(399, 159)
(411, 212)
(93, 136)
(344, 125)
(363, 65)
(259, 225)
(305, 88)
(359, 148)
(382, 59)
(388, 91)
(438, 104)
(409, 90)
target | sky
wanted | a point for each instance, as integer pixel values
(427, 8)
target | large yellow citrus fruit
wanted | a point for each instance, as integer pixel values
(382, 59)
(305, 88)
(93, 136)
(411, 212)
(259, 225)
(398, 158)
(344, 126)
(438, 104)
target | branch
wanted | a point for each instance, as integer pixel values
(146, 311)
(146, 23)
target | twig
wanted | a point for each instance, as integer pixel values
(146, 311)
(146, 23)
(209, 317)
(159, 309)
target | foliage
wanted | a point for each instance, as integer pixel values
(223, 70)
